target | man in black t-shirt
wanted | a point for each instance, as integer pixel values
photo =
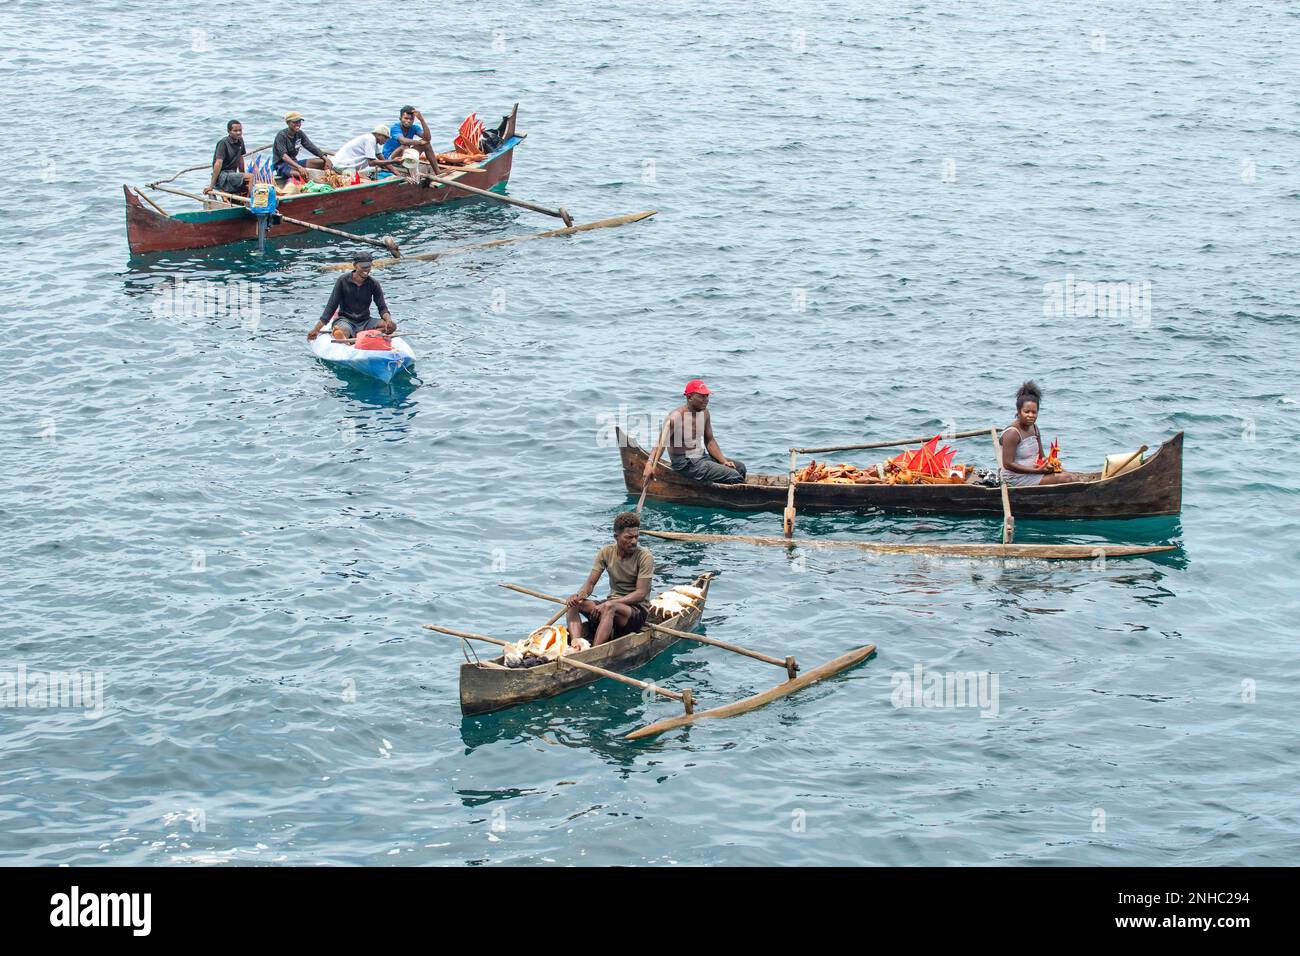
(228, 174)
(351, 298)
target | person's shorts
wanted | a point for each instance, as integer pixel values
(230, 181)
(635, 622)
(350, 329)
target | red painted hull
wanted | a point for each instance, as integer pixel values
(149, 231)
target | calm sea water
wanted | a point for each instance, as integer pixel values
(860, 206)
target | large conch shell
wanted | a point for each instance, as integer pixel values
(676, 600)
(547, 643)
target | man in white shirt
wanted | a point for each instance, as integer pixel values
(362, 151)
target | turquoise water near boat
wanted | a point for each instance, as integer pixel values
(868, 221)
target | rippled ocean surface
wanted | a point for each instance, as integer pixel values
(859, 206)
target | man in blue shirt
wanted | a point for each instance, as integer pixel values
(411, 132)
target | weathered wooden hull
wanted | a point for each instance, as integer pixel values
(1153, 488)
(485, 687)
(149, 231)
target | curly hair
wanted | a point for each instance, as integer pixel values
(1029, 392)
(624, 520)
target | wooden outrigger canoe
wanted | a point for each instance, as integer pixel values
(149, 230)
(1153, 488)
(489, 685)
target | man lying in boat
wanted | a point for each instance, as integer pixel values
(410, 132)
(1023, 461)
(360, 153)
(630, 569)
(351, 298)
(692, 450)
(289, 143)
(228, 174)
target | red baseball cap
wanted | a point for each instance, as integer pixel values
(697, 385)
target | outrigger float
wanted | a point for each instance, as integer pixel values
(487, 686)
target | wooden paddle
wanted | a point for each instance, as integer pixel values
(386, 243)
(1008, 522)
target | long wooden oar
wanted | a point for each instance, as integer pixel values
(1008, 522)
(386, 243)
(685, 697)
(444, 180)
(494, 243)
(950, 549)
(789, 663)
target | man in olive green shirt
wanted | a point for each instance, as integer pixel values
(630, 570)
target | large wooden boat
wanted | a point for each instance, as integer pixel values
(148, 230)
(489, 685)
(1153, 488)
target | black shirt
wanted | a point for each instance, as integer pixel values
(352, 300)
(230, 151)
(288, 143)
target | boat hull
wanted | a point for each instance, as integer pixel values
(1153, 488)
(485, 688)
(381, 364)
(149, 231)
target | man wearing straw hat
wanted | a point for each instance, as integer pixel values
(362, 151)
(289, 142)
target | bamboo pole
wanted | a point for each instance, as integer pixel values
(385, 243)
(684, 697)
(493, 243)
(948, 549)
(889, 444)
(789, 662)
(1008, 522)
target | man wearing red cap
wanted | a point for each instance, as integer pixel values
(692, 450)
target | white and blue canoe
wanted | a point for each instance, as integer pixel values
(382, 364)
